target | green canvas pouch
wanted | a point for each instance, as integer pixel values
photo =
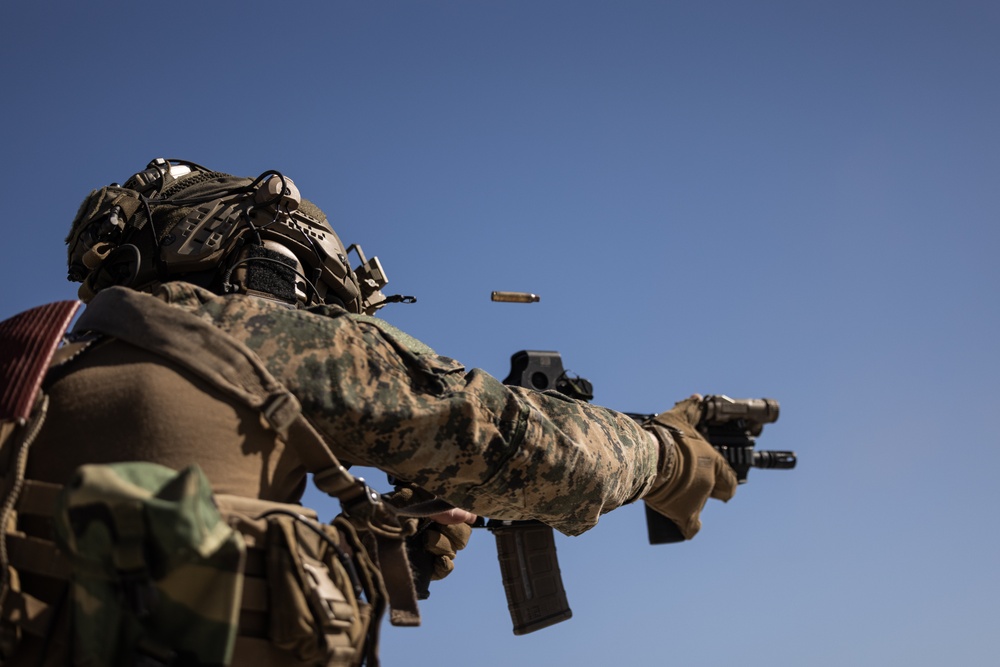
(157, 573)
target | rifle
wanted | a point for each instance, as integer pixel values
(526, 550)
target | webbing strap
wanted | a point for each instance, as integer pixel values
(395, 567)
(38, 556)
(38, 498)
(29, 613)
(220, 360)
(27, 342)
(230, 366)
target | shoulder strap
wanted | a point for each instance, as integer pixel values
(226, 364)
(27, 342)
(233, 368)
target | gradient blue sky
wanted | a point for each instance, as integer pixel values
(787, 199)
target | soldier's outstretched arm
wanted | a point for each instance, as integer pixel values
(386, 401)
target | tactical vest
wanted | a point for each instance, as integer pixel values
(309, 593)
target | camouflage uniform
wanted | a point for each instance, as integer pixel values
(371, 395)
(379, 399)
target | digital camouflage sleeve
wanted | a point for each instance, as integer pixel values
(391, 403)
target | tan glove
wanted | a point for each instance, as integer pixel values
(445, 542)
(432, 546)
(691, 471)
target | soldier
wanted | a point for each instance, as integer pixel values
(225, 328)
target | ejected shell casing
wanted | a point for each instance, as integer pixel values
(515, 297)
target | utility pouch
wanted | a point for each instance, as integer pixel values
(315, 591)
(156, 573)
(320, 595)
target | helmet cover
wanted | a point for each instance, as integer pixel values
(177, 220)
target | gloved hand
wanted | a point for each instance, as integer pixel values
(444, 542)
(434, 542)
(690, 470)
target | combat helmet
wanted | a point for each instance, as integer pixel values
(177, 220)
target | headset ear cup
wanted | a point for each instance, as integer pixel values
(128, 262)
(122, 265)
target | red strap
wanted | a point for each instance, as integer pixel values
(27, 342)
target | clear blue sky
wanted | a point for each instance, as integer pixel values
(787, 199)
